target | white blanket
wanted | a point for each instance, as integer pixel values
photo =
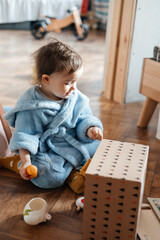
(12, 11)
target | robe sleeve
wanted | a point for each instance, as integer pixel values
(85, 121)
(28, 130)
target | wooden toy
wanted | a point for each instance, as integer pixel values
(76, 179)
(80, 203)
(41, 27)
(32, 171)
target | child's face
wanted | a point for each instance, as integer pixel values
(60, 85)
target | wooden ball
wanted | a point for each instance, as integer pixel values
(32, 171)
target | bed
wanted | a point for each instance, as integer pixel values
(13, 11)
(44, 15)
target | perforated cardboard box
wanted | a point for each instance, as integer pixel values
(114, 190)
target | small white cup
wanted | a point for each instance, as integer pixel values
(35, 211)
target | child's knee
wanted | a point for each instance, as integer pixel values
(48, 180)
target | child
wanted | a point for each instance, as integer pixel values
(54, 126)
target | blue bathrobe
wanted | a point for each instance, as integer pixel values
(53, 133)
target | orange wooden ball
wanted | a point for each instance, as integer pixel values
(32, 171)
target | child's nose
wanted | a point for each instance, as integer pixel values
(73, 86)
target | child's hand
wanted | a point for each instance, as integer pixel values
(23, 171)
(26, 161)
(95, 133)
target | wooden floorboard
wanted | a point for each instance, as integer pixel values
(14, 195)
(119, 124)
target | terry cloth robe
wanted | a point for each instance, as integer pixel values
(53, 133)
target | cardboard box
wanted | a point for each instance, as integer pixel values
(114, 191)
(149, 224)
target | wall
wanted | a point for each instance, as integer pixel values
(146, 35)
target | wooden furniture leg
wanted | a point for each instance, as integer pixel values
(147, 112)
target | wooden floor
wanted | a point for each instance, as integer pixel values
(119, 124)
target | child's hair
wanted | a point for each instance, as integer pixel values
(55, 57)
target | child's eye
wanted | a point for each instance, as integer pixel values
(67, 83)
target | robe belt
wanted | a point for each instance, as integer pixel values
(61, 132)
(58, 132)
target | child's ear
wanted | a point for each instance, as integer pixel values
(45, 78)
